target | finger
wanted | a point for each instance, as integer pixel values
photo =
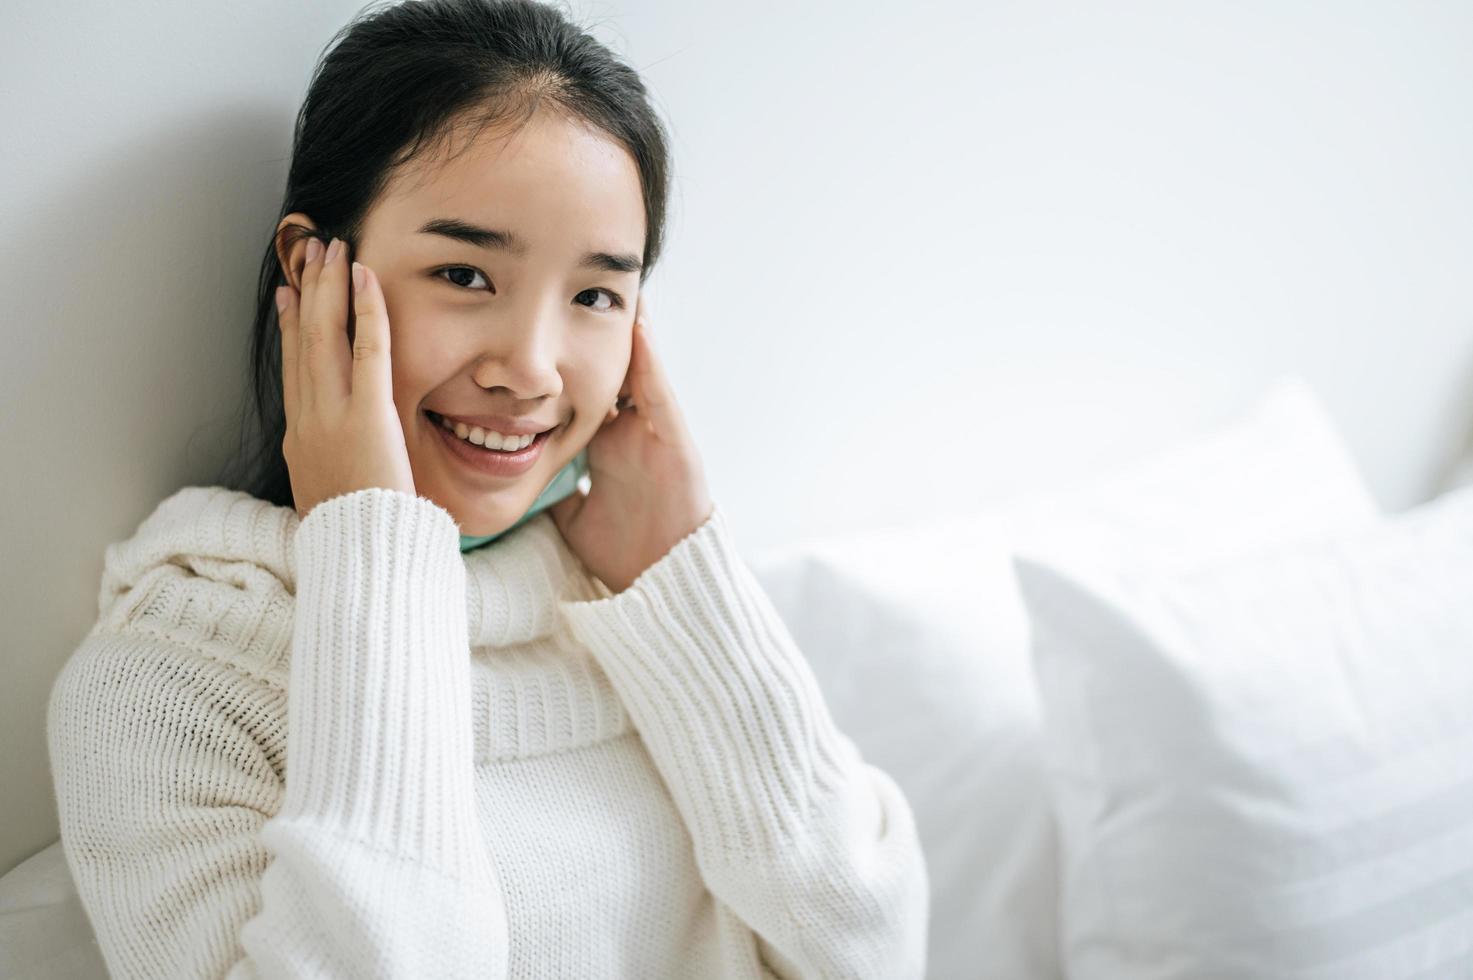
(304, 322)
(372, 367)
(651, 389)
(639, 315)
(286, 321)
(323, 325)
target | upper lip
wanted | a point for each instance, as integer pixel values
(504, 424)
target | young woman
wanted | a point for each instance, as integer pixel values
(311, 736)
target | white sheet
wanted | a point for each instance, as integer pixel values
(44, 933)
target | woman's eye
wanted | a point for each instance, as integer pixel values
(616, 302)
(463, 276)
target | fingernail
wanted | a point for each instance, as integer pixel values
(358, 277)
(280, 299)
(333, 248)
(314, 249)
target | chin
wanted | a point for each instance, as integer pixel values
(481, 517)
(493, 520)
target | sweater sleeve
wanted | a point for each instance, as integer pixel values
(815, 849)
(372, 863)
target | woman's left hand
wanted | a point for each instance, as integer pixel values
(648, 485)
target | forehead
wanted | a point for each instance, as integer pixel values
(553, 180)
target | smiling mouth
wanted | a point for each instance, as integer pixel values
(438, 422)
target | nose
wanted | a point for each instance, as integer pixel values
(521, 355)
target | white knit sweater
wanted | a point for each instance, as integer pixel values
(338, 747)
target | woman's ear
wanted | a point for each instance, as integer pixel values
(292, 257)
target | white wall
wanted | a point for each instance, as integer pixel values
(141, 164)
(1009, 242)
(922, 256)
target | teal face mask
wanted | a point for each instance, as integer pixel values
(564, 485)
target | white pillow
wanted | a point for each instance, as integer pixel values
(919, 641)
(904, 631)
(1264, 766)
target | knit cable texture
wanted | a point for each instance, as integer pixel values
(496, 767)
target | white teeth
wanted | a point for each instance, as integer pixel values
(489, 440)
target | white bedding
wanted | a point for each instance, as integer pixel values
(44, 934)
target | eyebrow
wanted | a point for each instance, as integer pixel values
(507, 241)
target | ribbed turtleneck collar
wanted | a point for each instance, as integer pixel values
(213, 570)
(512, 584)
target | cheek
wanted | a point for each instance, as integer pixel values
(418, 351)
(414, 369)
(599, 380)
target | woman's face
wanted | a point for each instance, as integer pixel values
(517, 324)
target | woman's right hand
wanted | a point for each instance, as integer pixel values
(342, 430)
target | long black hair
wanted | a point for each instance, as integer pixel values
(401, 79)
